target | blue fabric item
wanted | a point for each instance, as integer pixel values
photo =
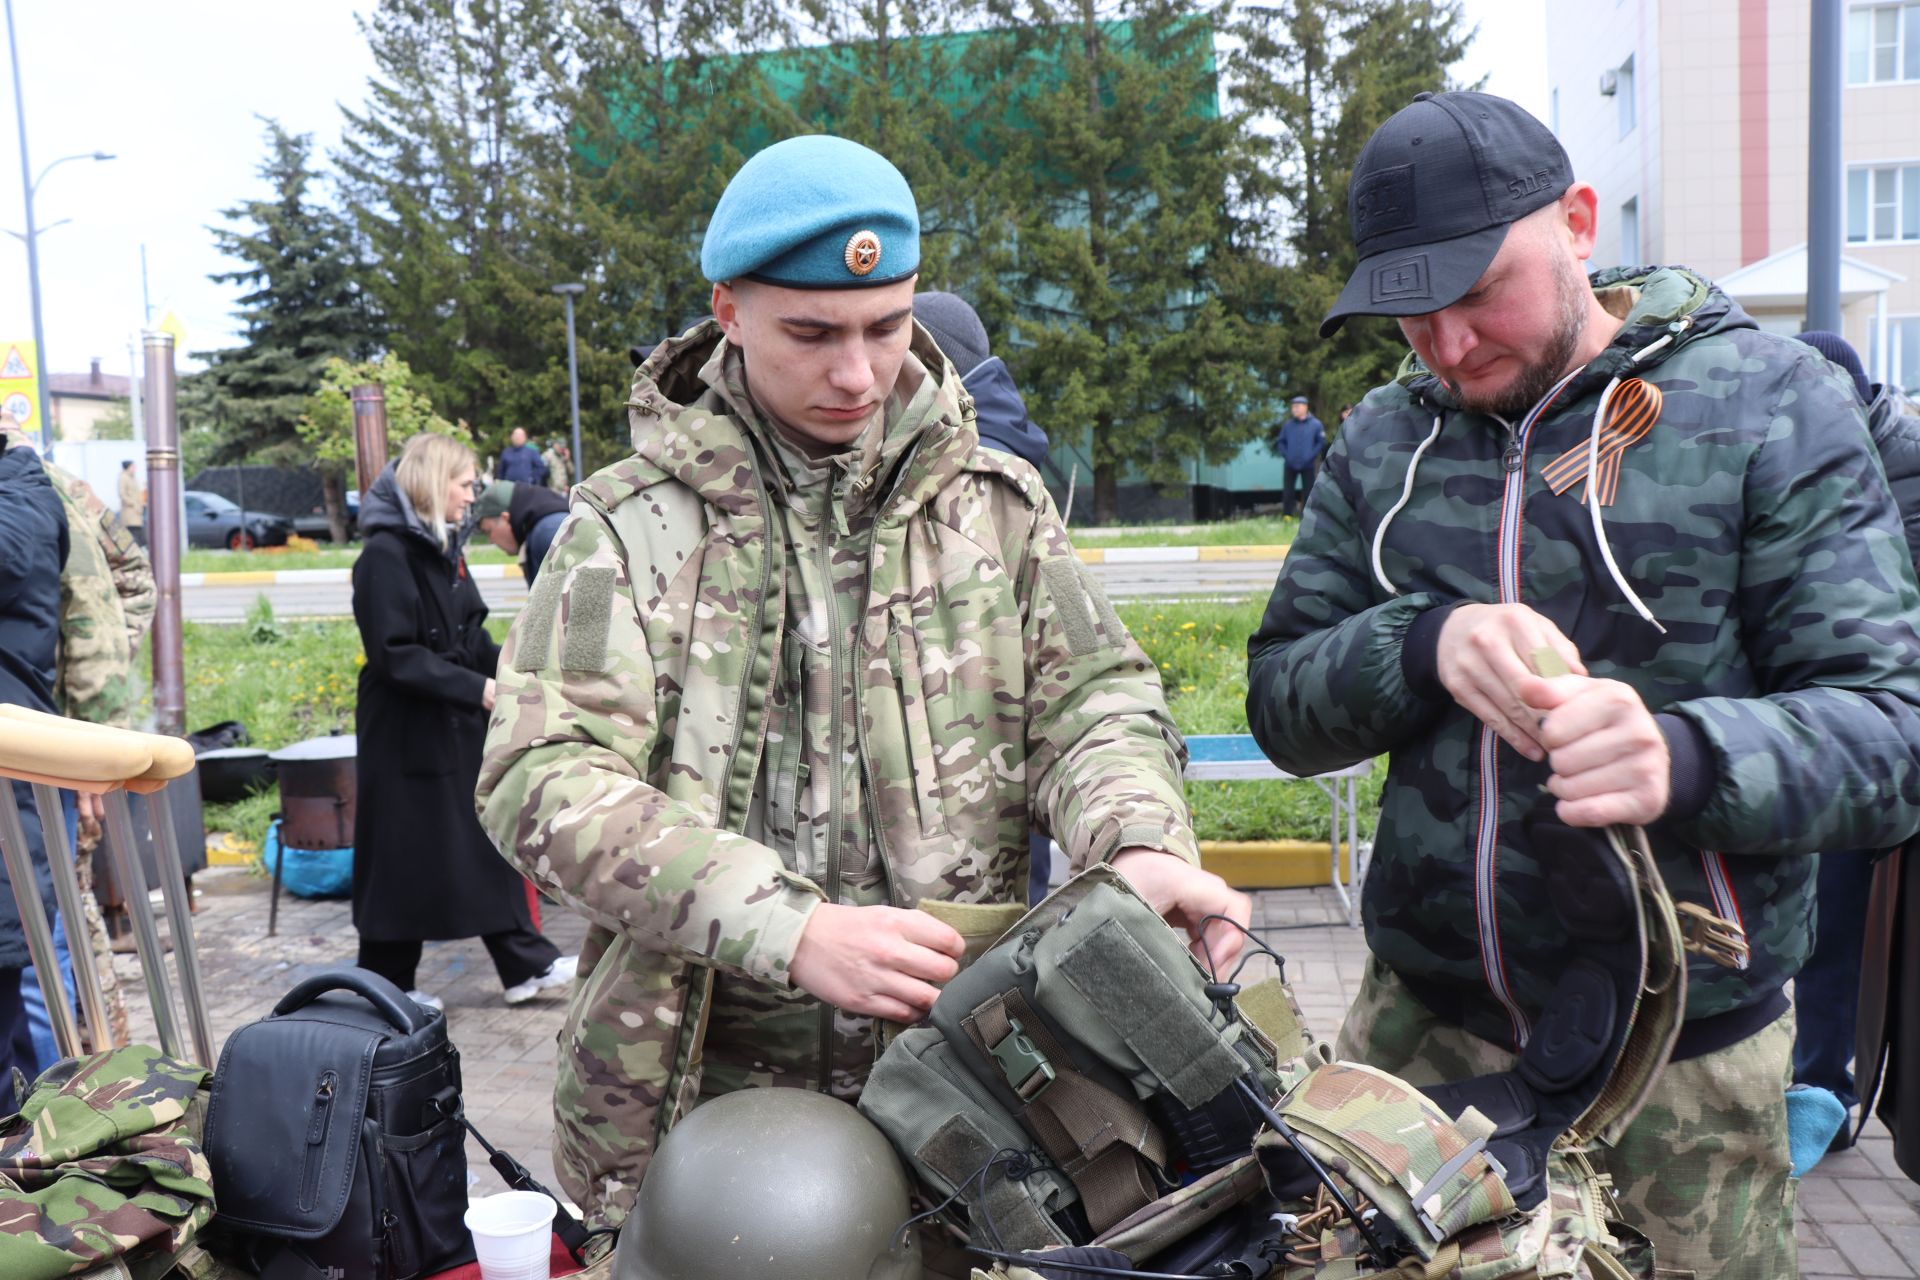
(1000, 413)
(39, 1026)
(790, 215)
(1826, 991)
(310, 873)
(1814, 1116)
(521, 464)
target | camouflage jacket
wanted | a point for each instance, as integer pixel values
(1753, 520)
(107, 597)
(995, 688)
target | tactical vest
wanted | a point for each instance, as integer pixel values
(1087, 1100)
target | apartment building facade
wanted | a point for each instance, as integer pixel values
(1690, 117)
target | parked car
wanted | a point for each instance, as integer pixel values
(212, 521)
(294, 493)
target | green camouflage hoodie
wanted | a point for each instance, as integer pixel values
(1743, 506)
(995, 689)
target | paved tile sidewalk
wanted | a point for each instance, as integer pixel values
(1859, 1216)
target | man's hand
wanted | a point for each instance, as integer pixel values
(487, 694)
(880, 961)
(93, 812)
(1184, 895)
(1485, 652)
(1610, 761)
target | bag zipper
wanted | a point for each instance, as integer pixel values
(318, 1125)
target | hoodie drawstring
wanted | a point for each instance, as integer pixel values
(1406, 496)
(1593, 474)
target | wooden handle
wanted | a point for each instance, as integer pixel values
(83, 756)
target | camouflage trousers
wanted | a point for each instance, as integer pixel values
(1703, 1170)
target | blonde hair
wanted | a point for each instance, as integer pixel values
(426, 468)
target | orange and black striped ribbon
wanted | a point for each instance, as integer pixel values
(1630, 415)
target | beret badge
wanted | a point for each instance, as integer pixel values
(863, 253)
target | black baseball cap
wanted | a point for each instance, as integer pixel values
(1433, 193)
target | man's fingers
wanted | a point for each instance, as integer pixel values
(914, 995)
(1615, 807)
(1484, 709)
(935, 935)
(1621, 775)
(925, 963)
(890, 1009)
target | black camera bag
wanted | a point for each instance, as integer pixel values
(335, 1136)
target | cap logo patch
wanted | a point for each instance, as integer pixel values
(863, 253)
(1402, 278)
(1383, 202)
(1529, 183)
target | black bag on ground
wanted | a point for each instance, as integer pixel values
(334, 1134)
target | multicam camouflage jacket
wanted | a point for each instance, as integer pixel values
(1743, 504)
(107, 596)
(995, 689)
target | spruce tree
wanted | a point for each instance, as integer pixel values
(1320, 76)
(302, 307)
(1129, 249)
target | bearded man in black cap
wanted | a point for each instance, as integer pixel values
(1625, 471)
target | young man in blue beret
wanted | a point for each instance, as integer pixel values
(809, 657)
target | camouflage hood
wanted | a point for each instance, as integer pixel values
(690, 402)
(1738, 562)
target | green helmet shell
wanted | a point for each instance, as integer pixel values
(771, 1184)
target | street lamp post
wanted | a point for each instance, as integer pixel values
(31, 185)
(570, 292)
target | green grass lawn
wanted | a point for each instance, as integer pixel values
(292, 680)
(1254, 531)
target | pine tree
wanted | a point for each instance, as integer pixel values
(1324, 74)
(1130, 251)
(452, 170)
(303, 307)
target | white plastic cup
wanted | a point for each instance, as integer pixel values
(512, 1235)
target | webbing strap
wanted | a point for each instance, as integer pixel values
(1099, 1138)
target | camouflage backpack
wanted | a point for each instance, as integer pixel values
(1087, 1100)
(102, 1173)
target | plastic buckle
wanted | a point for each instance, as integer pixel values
(1021, 1063)
(1715, 937)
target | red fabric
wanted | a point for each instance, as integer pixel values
(560, 1261)
(533, 904)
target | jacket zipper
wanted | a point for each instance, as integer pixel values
(1487, 836)
(834, 811)
(1726, 904)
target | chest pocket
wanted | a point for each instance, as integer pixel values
(923, 765)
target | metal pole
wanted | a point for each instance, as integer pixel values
(66, 892)
(33, 239)
(33, 921)
(174, 891)
(569, 292)
(164, 533)
(1824, 213)
(369, 434)
(146, 939)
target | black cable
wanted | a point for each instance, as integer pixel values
(1285, 1130)
(1040, 1262)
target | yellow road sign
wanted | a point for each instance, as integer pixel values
(19, 387)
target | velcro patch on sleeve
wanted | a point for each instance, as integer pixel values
(1081, 605)
(533, 630)
(1116, 976)
(589, 616)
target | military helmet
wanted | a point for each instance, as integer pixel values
(780, 1184)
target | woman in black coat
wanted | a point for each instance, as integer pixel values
(423, 868)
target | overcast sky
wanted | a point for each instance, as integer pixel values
(174, 91)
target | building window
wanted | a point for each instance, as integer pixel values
(1883, 204)
(1903, 353)
(1883, 43)
(1624, 96)
(1630, 233)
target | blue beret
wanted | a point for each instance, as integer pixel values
(817, 212)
